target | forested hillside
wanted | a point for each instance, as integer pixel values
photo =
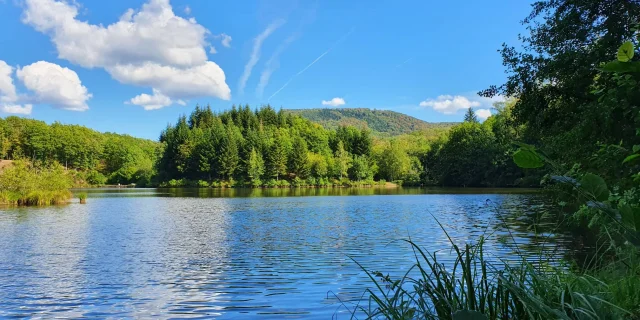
(381, 122)
(262, 147)
(98, 158)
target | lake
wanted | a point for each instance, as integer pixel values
(266, 254)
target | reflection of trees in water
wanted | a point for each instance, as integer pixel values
(529, 225)
(284, 192)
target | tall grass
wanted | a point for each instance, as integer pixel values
(473, 287)
(27, 185)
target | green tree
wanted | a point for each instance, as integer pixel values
(470, 116)
(466, 157)
(554, 73)
(299, 160)
(343, 160)
(318, 165)
(360, 168)
(229, 157)
(394, 161)
(255, 167)
(277, 158)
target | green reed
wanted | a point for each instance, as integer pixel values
(475, 288)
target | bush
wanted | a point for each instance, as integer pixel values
(24, 184)
(283, 183)
(256, 183)
(297, 182)
(203, 184)
(311, 181)
(96, 178)
(271, 183)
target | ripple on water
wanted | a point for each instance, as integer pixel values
(167, 255)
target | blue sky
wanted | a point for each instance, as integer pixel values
(134, 66)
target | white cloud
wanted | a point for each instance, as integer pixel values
(187, 10)
(212, 50)
(226, 40)
(55, 85)
(16, 109)
(151, 102)
(144, 48)
(450, 104)
(151, 34)
(255, 52)
(205, 80)
(334, 102)
(7, 88)
(483, 113)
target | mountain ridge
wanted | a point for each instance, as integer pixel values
(381, 122)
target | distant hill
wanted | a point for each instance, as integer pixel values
(381, 122)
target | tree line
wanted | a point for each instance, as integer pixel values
(265, 147)
(96, 158)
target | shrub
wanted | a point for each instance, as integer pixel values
(25, 184)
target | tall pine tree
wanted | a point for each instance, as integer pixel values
(299, 160)
(277, 157)
(470, 116)
(229, 157)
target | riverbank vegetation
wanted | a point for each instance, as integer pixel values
(94, 158)
(574, 116)
(22, 183)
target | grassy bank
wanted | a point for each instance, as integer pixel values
(472, 287)
(24, 184)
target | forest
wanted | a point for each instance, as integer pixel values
(262, 147)
(91, 157)
(383, 123)
(265, 147)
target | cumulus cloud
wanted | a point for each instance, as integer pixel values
(55, 85)
(334, 102)
(151, 102)
(144, 48)
(206, 80)
(16, 109)
(7, 88)
(483, 113)
(450, 104)
(255, 52)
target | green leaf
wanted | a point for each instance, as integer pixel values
(630, 158)
(625, 52)
(595, 186)
(630, 216)
(621, 67)
(468, 315)
(636, 148)
(528, 159)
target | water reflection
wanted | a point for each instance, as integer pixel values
(230, 253)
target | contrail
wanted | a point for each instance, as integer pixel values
(273, 64)
(313, 62)
(255, 53)
(405, 62)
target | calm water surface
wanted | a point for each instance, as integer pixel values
(142, 253)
